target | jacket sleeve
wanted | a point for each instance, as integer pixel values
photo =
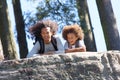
(81, 43)
(66, 45)
(59, 46)
(35, 50)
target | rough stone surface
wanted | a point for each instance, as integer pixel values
(72, 66)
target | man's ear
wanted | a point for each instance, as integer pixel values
(53, 33)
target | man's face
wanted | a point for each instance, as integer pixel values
(46, 34)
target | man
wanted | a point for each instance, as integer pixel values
(46, 41)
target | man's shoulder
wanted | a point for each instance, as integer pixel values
(56, 37)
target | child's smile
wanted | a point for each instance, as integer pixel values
(71, 38)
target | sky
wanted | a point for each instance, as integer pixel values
(96, 22)
(93, 15)
(96, 25)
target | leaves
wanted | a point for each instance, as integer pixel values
(63, 12)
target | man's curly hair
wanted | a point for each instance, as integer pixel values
(75, 29)
(36, 29)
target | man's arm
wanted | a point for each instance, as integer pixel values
(34, 51)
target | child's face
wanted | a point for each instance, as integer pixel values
(71, 38)
(46, 34)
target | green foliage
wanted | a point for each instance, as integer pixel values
(64, 12)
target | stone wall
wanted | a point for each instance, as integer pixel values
(72, 66)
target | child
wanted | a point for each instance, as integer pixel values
(46, 43)
(73, 34)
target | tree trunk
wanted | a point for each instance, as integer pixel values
(86, 25)
(21, 35)
(1, 51)
(109, 26)
(9, 48)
